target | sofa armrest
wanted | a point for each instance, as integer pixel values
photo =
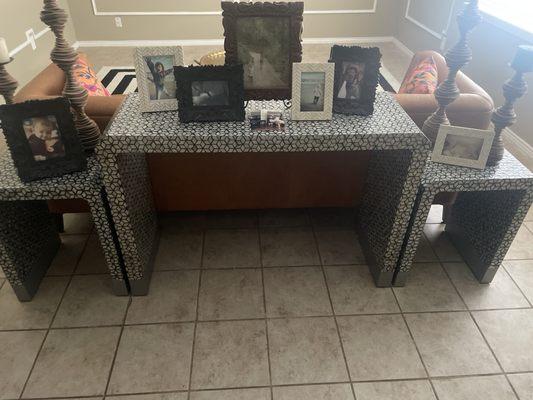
(103, 106)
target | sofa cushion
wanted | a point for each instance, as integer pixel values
(87, 78)
(423, 78)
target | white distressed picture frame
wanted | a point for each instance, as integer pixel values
(446, 130)
(141, 70)
(329, 73)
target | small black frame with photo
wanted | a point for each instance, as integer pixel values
(210, 93)
(356, 79)
(42, 138)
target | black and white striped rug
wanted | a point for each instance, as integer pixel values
(122, 80)
(118, 80)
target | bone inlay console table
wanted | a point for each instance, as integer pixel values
(399, 156)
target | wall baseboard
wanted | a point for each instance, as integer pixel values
(517, 146)
(406, 50)
(219, 42)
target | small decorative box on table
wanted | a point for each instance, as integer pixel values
(483, 222)
(28, 236)
(399, 156)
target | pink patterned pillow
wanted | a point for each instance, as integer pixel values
(86, 77)
(423, 78)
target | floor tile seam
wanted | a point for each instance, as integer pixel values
(516, 284)
(65, 290)
(178, 269)
(82, 253)
(332, 308)
(500, 366)
(197, 311)
(115, 353)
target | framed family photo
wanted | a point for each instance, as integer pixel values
(42, 138)
(267, 39)
(463, 147)
(154, 68)
(356, 79)
(210, 93)
(312, 91)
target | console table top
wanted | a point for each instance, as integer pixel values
(450, 177)
(12, 188)
(388, 128)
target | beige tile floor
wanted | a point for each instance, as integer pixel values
(273, 305)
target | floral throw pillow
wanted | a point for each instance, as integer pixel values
(423, 78)
(86, 77)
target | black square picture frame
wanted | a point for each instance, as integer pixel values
(356, 79)
(42, 138)
(210, 93)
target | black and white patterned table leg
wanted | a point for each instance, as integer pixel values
(390, 192)
(422, 206)
(483, 225)
(129, 192)
(102, 218)
(28, 244)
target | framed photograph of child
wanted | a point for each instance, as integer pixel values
(266, 37)
(42, 138)
(463, 147)
(356, 79)
(154, 68)
(312, 91)
(210, 93)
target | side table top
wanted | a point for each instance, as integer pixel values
(388, 128)
(12, 188)
(450, 177)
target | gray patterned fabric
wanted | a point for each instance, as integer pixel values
(26, 226)
(400, 155)
(485, 218)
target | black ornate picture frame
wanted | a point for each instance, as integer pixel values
(267, 39)
(42, 138)
(356, 79)
(210, 93)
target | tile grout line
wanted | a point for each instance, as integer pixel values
(481, 333)
(195, 328)
(265, 310)
(339, 336)
(516, 283)
(429, 378)
(52, 320)
(123, 326)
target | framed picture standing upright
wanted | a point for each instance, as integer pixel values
(356, 79)
(267, 39)
(312, 91)
(210, 93)
(464, 147)
(42, 138)
(154, 67)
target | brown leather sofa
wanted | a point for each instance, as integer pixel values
(290, 180)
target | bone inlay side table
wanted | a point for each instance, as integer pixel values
(483, 222)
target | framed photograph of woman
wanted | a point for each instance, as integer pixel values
(267, 39)
(42, 138)
(210, 93)
(356, 79)
(154, 68)
(464, 147)
(312, 91)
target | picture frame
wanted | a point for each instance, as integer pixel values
(42, 138)
(210, 93)
(267, 39)
(356, 79)
(312, 91)
(154, 68)
(464, 147)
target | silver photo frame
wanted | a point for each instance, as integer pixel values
(154, 68)
(312, 91)
(464, 147)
